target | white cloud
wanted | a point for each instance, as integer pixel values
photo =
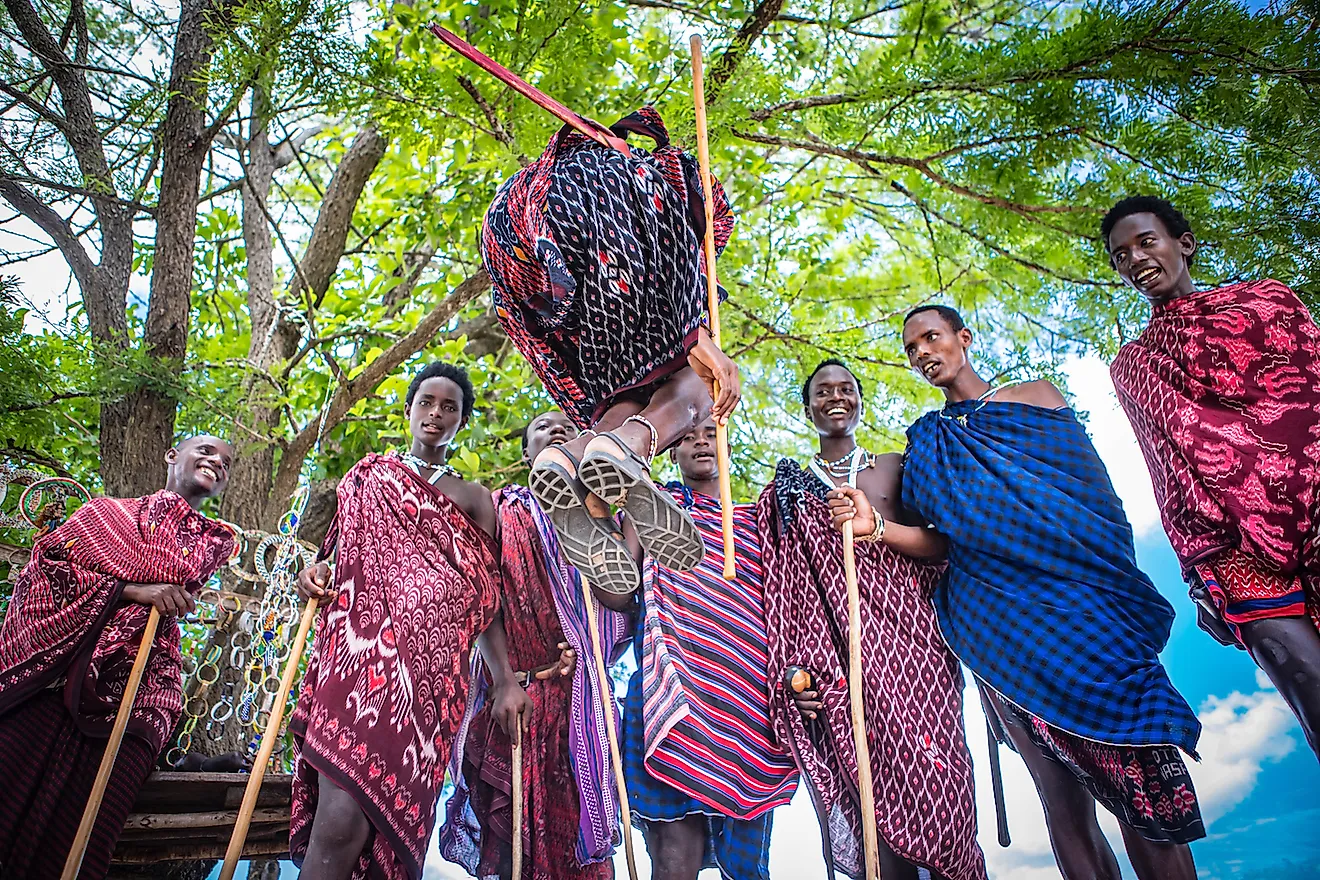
(1093, 393)
(1241, 732)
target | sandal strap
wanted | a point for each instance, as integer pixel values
(627, 450)
(562, 450)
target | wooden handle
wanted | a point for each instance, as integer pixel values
(713, 300)
(268, 739)
(73, 863)
(865, 789)
(607, 705)
(517, 802)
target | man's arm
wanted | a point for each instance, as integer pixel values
(509, 702)
(918, 542)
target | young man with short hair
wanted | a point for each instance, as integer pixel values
(1223, 391)
(67, 646)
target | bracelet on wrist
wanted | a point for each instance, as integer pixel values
(878, 534)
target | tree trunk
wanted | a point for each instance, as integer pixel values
(273, 341)
(185, 139)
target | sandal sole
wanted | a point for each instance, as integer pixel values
(598, 556)
(667, 532)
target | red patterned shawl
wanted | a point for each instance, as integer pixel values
(387, 684)
(1223, 391)
(550, 789)
(66, 619)
(920, 766)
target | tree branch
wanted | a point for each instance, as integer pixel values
(866, 160)
(56, 227)
(762, 16)
(349, 393)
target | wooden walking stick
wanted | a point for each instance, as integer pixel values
(865, 790)
(713, 299)
(517, 802)
(73, 862)
(607, 706)
(268, 739)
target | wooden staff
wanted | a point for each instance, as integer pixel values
(73, 862)
(517, 801)
(607, 705)
(870, 839)
(589, 127)
(268, 739)
(713, 299)
(997, 783)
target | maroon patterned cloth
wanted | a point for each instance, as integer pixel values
(550, 791)
(1223, 390)
(387, 684)
(596, 260)
(66, 619)
(1147, 787)
(49, 768)
(920, 765)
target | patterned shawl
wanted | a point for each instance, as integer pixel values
(1043, 598)
(1223, 391)
(704, 686)
(920, 766)
(66, 618)
(542, 606)
(595, 262)
(387, 684)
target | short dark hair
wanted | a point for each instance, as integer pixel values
(1170, 216)
(948, 313)
(829, 362)
(452, 372)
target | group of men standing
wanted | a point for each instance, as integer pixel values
(995, 540)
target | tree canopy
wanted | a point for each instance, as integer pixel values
(268, 210)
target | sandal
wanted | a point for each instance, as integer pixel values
(592, 545)
(667, 531)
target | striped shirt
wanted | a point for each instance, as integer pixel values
(704, 679)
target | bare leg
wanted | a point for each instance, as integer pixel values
(1080, 848)
(677, 848)
(677, 407)
(339, 832)
(893, 866)
(1288, 650)
(1158, 861)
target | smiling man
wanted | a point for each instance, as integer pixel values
(1223, 391)
(911, 685)
(416, 578)
(68, 643)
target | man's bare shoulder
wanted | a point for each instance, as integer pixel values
(1038, 392)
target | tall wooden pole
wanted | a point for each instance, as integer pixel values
(268, 740)
(517, 800)
(607, 707)
(865, 788)
(713, 299)
(73, 862)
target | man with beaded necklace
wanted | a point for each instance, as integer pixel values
(912, 687)
(415, 579)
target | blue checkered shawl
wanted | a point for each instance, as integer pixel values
(1043, 598)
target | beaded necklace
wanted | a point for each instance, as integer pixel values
(417, 464)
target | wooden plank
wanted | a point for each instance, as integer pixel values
(168, 791)
(270, 849)
(226, 818)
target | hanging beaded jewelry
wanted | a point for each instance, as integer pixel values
(417, 464)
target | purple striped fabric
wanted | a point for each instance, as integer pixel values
(704, 684)
(587, 740)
